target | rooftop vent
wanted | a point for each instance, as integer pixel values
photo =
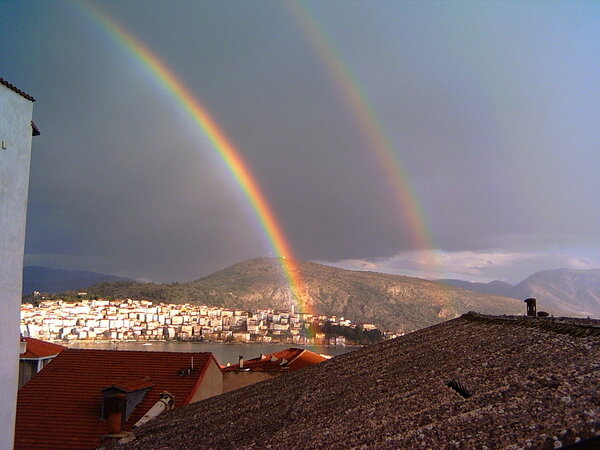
(460, 388)
(185, 372)
(530, 306)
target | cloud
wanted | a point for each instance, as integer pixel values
(490, 115)
(487, 266)
(582, 263)
(359, 264)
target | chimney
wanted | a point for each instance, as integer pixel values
(241, 362)
(114, 411)
(22, 346)
(530, 306)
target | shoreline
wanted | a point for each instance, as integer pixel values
(223, 353)
(149, 342)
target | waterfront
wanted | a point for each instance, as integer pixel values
(143, 321)
(223, 352)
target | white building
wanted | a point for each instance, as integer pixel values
(16, 129)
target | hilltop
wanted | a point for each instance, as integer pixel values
(573, 291)
(390, 301)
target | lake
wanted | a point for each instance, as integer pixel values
(223, 352)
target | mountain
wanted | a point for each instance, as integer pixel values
(576, 292)
(390, 301)
(44, 279)
(495, 287)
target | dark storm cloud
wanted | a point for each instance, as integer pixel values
(490, 109)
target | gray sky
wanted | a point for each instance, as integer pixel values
(492, 109)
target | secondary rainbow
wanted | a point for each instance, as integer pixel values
(369, 124)
(220, 142)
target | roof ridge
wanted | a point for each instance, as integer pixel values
(37, 348)
(13, 88)
(562, 325)
(302, 350)
(134, 351)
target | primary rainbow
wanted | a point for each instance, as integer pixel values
(220, 142)
(367, 120)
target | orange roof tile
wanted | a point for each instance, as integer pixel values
(40, 349)
(285, 360)
(61, 406)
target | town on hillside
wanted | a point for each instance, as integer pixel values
(143, 320)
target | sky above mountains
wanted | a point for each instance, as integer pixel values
(435, 139)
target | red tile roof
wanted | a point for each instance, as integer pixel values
(285, 360)
(40, 349)
(16, 89)
(61, 406)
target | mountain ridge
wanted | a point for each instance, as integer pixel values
(45, 279)
(574, 291)
(567, 289)
(393, 301)
(390, 301)
(495, 287)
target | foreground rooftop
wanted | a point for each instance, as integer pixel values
(472, 381)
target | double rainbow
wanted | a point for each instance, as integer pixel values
(227, 151)
(356, 100)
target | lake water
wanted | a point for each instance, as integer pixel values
(223, 352)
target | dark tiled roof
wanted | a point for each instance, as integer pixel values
(284, 361)
(40, 349)
(532, 382)
(61, 406)
(16, 89)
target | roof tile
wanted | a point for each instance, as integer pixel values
(60, 407)
(530, 379)
(37, 348)
(285, 360)
(12, 87)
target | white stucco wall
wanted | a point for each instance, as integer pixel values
(15, 131)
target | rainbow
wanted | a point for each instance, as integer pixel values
(364, 115)
(229, 154)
